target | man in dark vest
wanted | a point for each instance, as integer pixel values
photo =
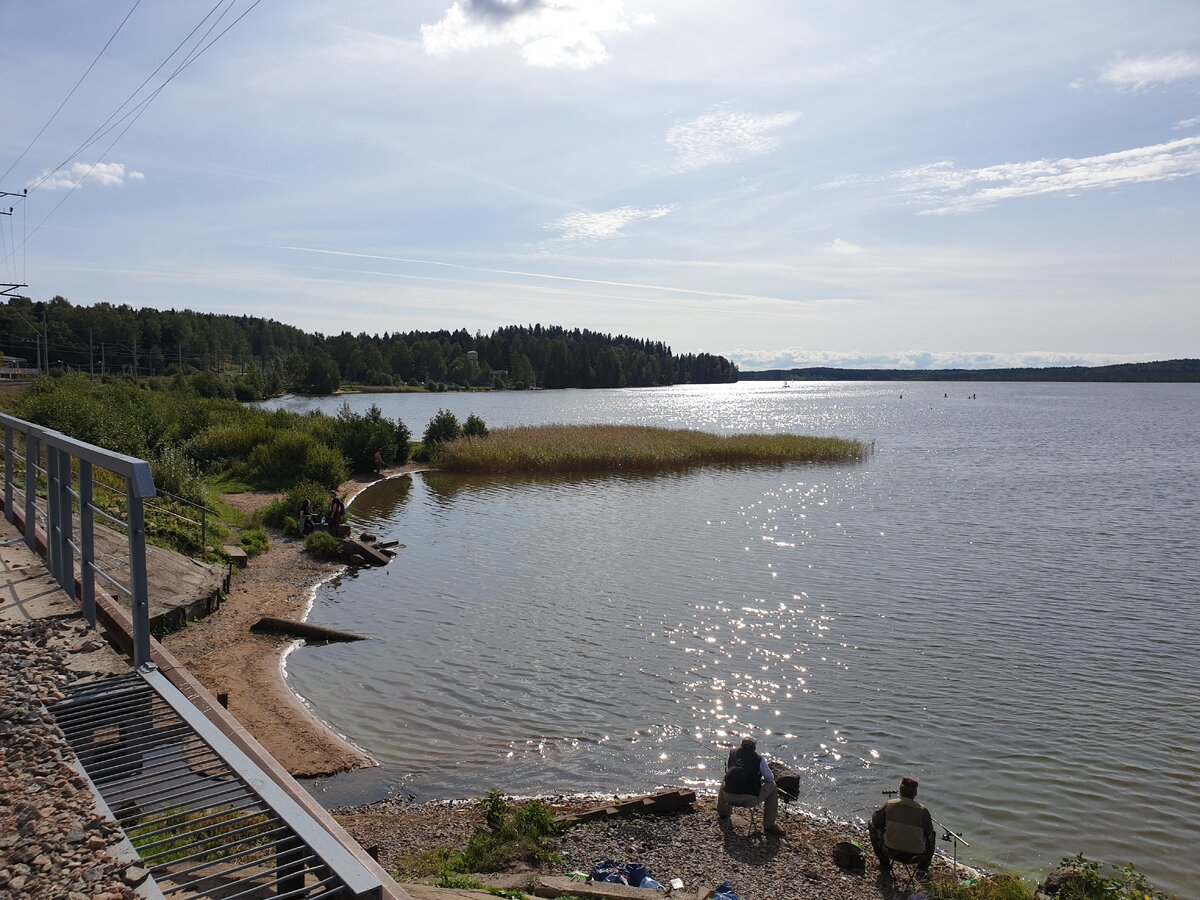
(749, 781)
(902, 830)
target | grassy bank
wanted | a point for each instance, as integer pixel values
(630, 448)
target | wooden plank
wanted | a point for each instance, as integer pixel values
(366, 551)
(560, 885)
(663, 801)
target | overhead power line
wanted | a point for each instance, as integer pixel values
(71, 93)
(136, 112)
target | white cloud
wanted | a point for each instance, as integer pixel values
(798, 357)
(844, 248)
(725, 135)
(1184, 124)
(586, 225)
(102, 174)
(943, 188)
(549, 33)
(1140, 74)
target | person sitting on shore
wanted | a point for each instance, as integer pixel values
(749, 781)
(304, 519)
(902, 831)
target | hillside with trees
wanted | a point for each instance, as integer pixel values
(1166, 370)
(254, 357)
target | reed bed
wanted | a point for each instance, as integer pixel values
(631, 448)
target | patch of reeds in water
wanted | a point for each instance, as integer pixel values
(631, 448)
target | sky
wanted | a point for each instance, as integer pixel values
(783, 183)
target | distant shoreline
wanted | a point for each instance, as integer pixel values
(1167, 371)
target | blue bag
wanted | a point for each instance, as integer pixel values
(724, 892)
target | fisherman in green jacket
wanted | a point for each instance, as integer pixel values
(902, 831)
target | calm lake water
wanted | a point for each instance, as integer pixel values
(1001, 601)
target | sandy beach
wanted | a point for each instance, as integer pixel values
(226, 657)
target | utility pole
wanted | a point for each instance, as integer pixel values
(9, 288)
(103, 370)
(91, 357)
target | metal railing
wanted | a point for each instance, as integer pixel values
(69, 463)
(204, 513)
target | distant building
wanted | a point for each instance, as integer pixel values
(16, 367)
(472, 356)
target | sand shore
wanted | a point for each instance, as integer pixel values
(226, 657)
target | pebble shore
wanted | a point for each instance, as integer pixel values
(53, 840)
(692, 845)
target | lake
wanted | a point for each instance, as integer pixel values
(1000, 600)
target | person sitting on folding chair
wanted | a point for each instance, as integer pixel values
(749, 781)
(902, 831)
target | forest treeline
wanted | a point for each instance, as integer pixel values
(252, 357)
(1166, 370)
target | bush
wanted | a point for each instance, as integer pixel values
(403, 443)
(325, 466)
(175, 472)
(211, 385)
(442, 429)
(324, 545)
(947, 886)
(1091, 884)
(474, 427)
(285, 510)
(509, 838)
(255, 541)
(361, 435)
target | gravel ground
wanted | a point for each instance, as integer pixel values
(691, 845)
(52, 840)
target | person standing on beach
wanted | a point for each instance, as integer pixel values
(749, 781)
(902, 831)
(378, 463)
(337, 512)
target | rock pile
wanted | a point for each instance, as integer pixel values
(53, 842)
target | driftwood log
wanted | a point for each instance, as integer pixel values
(289, 628)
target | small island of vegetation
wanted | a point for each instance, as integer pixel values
(629, 448)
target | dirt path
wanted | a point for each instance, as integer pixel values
(221, 651)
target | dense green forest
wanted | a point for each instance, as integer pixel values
(1168, 370)
(254, 357)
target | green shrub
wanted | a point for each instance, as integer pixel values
(211, 385)
(442, 429)
(403, 443)
(361, 435)
(509, 838)
(1092, 884)
(176, 472)
(947, 886)
(324, 545)
(255, 541)
(474, 427)
(286, 509)
(325, 466)
(229, 442)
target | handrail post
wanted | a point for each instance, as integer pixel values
(53, 550)
(33, 453)
(137, 575)
(66, 524)
(87, 550)
(9, 471)
(203, 531)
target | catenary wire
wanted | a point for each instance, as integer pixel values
(71, 93)
(141, 108)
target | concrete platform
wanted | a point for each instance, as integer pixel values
(179, 588)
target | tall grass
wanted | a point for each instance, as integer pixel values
(607, 448)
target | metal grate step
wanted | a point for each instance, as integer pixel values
(205, 820)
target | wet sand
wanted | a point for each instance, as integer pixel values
(226, 657)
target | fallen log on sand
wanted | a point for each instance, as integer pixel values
(289, 628)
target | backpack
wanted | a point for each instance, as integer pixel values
(742, 772)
